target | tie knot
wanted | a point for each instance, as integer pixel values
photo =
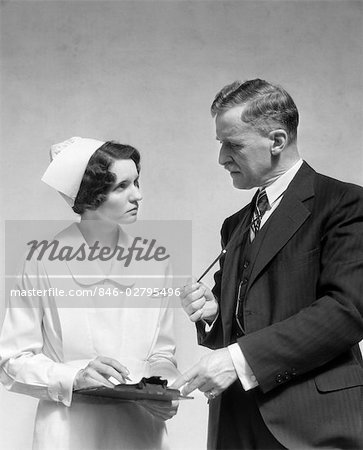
(262, 202)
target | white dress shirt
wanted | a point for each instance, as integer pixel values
(275, 193)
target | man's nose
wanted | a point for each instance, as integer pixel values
(223, 155)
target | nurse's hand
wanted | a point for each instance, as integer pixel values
(159, 409)
(98, 372)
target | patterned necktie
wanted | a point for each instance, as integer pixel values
(261, 207)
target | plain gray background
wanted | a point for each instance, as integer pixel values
(145, 73)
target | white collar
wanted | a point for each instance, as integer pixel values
(89, 272)
(144, 273)
(275, 190)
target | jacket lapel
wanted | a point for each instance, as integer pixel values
(286, 219)
(238, 234)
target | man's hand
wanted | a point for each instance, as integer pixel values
(212, 375)
(199, 302)
(161, 410)
(98, 372)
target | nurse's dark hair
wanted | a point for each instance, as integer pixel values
(268, 106)
(98, 180)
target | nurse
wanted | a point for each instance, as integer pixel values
(52, 344)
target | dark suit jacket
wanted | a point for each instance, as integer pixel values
(303, 314)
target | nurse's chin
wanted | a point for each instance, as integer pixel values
(128, 218)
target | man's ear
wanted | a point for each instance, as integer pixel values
(278, 139)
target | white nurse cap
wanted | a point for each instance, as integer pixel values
(69, 160)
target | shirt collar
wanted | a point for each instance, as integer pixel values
(140, 273)
(87, 272)
(279, 186)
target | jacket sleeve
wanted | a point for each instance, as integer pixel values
(333, 323)
(24, 368)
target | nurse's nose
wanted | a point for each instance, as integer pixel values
(136, 194)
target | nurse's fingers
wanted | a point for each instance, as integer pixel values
(108, 370)
(115, 364)
(93, 378)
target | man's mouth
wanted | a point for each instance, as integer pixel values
(231, 169)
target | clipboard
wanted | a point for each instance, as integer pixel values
(153, 388)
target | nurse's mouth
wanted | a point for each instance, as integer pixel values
(133, 209)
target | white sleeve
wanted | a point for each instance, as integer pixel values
(162, 358)
(23, 366)
(244, 371)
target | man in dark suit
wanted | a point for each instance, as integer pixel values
(285, 316)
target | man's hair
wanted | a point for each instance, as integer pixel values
(268, 106)
(97, 180)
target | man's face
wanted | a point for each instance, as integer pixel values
(244, 152)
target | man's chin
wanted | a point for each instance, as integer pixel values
(238, 183)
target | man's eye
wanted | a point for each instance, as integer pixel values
(235, 146)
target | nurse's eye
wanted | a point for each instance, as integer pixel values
(136, 183)
(120, 187)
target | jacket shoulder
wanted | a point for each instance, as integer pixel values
(337, 188)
